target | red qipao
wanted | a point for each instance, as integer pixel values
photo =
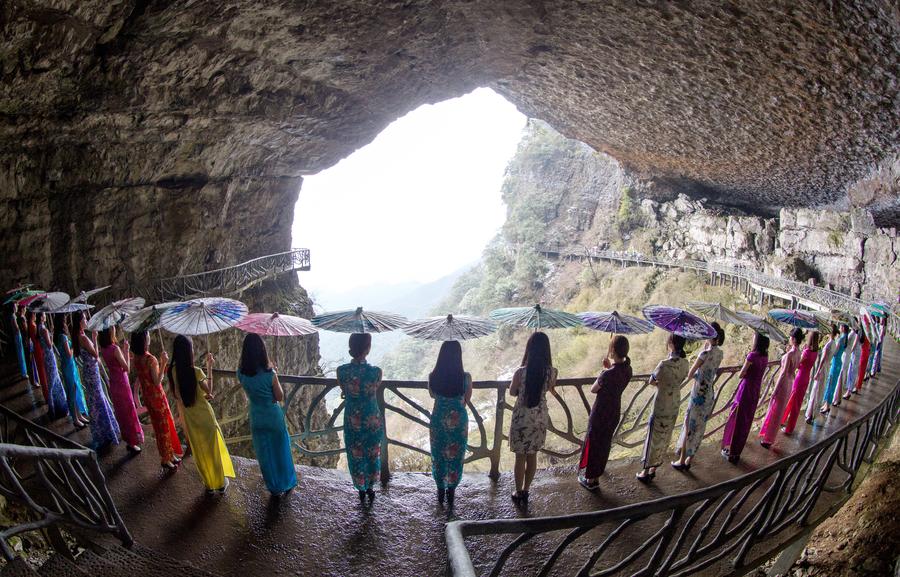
(798, 391)
(604, 419)
(743, 408)
(863, 362)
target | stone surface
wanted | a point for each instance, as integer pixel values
(127, 121)
(596, 202)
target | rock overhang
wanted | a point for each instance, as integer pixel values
(754, 104)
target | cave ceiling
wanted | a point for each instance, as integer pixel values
(758, 104)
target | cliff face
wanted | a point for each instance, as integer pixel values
(126, 122)
(588, 199)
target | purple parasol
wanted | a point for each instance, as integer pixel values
(679, 322)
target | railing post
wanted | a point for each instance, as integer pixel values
(499, 414)
(385, 458)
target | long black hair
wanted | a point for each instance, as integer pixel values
(60, 328)
(139, 341)
(720, 333)
(538, 361)
(254, 357)
(677, 342)
(448, 379)
(797, 334)
(77, 317)
(761, 344)
(106, 337)
(182, 368)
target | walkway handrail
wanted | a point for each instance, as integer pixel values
(227, 281)
(394, 399)
(58, 481)
(822, 296)
(698, 529)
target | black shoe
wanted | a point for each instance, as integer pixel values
(588, 485)
(440, 495)
(846, 396)
(765, 445)
(809, 421)
(370, 493)
(681, 466)
(523, 496)
(645, 479)
(451, 496)
(362, 497)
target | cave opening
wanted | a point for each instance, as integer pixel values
(426, 192)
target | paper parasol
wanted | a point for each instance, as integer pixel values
(71, 307)
(275, 325)
(146, 319)
(85, 295)
(536, 317)
(763, 326)
(48, 302)
(203, 316)
(615, 323)
(715, 311)
(113, 314)
(20, 295)
(359, 321)
(679, 321)
(450, 328)
(795, 318)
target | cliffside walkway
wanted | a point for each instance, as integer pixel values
(225, 282)
(322, 530)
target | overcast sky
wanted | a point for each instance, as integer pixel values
(418, 203)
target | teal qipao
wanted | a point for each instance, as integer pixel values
(363, 426)
(449, 432)
(271, 441)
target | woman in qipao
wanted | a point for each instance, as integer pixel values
(451, 388)
(150, 377)
(746, 398)
(703, 397)
(193, 391)
(271, 442)
(668, 376)
(363, 426)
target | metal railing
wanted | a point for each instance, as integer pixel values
(396, 400)
(58, 481)
(228, 281)
(823, 296)
(718, 528)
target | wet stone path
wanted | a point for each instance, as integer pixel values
(322, 530)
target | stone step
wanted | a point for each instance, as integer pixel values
(59, 566)
(18, 567)
(150, 563)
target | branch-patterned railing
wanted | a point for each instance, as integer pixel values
(228, 281)
(58, 481)
(396, 400)
(720, 529)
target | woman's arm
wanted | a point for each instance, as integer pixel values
(516, 383)
(209, 373)
(468, 388)
(88, 345)
(157, 371)
(696, 366)
(277, 391)
(553, 374)
(598, 384)
(122, 358)
(744, 369)
(66, 348)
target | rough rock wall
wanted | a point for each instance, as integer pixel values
(127, 121)
(592, 201)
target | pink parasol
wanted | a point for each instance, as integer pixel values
(275, 325)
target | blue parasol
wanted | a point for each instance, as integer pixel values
(679, 321)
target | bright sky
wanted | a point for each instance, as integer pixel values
(418, 203)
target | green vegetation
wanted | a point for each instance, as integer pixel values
(835, 239)
(628, 216)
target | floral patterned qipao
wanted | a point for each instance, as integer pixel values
(703, 397)
(669, 374)
(449, 432)
(363, 427)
